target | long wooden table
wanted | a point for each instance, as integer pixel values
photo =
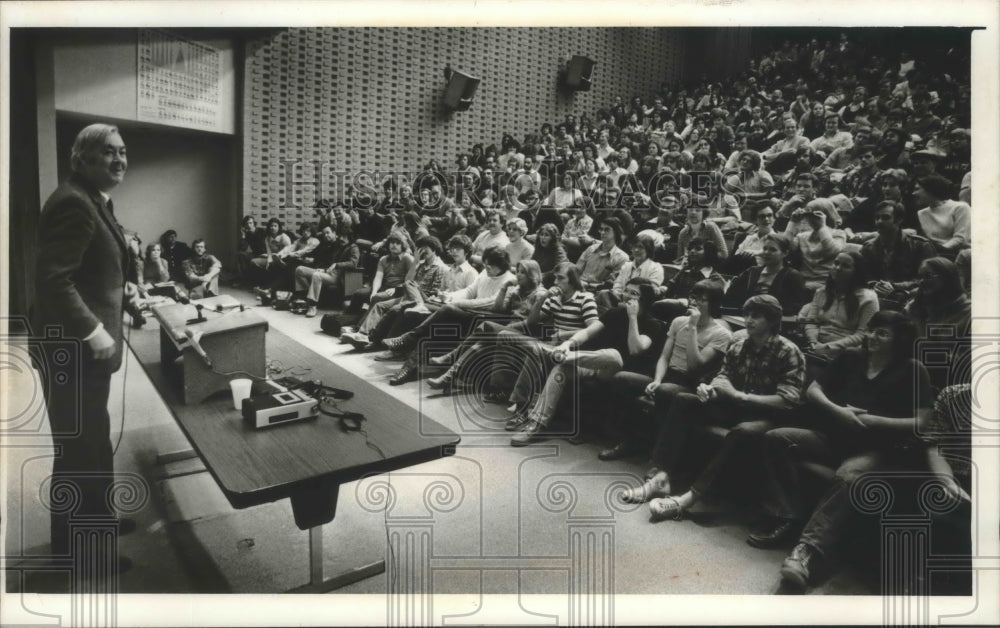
(305, 461)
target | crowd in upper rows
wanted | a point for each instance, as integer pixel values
(729, 254)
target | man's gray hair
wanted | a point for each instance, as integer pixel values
(89, 139)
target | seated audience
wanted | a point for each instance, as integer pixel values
(343, 255)
(699, 264)
(723, 210)
(576, 229)
(893, 258)
(832, 138)
(567, 309)
(461, 306)
(618, 339)
(940, 300)
(279, 274)
(492, 236)
(780, 156)
(839, 312)
(521, 302)
(866, 406)
(750, 183)
(771, 277)
(641, 265)
(549, 251)
(804, 191)
(155, 280)
(696, 226)
(276, 241)
(427, 281)
(945, 222)
(251, 244)
(566, 195)
(201, 272)
(817, 245)
(518, 248)
(691, 354)
(600, 263)
(759, 386)
(393, 270)
(749, 248)
(175, 253)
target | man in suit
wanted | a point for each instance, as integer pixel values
(80, 292)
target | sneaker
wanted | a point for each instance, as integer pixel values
(346, 329)
(357, 339)
(311, 312)
(529, 434)
(399, 344)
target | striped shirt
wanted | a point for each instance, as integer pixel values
(574, 314)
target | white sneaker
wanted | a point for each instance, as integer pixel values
(346, 329)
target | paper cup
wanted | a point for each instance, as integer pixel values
(241, 391)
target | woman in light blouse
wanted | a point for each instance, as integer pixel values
(946, 223)
(839, 312)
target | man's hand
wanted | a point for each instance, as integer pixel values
(706, 392)
(102, 344)
(883, 287)
(849, 419)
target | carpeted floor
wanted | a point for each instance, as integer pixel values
(493, 519)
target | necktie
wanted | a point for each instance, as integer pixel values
(111, 210)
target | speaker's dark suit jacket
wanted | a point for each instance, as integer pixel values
(82, 263)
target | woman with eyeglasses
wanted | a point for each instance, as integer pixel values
(866, 407)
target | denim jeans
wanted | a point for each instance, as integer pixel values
(742, 443)
(601, 364)
(785, 449)
(626, 389)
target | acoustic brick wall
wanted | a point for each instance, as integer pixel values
(370, 98)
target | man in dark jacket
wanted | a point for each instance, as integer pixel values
(80, 288)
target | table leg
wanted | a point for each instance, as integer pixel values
(318, 582)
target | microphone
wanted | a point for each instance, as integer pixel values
(193, 338)
(201, 315)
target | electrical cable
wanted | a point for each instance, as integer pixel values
(126, 349)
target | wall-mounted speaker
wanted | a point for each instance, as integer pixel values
(459, 91)
(579, 73)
